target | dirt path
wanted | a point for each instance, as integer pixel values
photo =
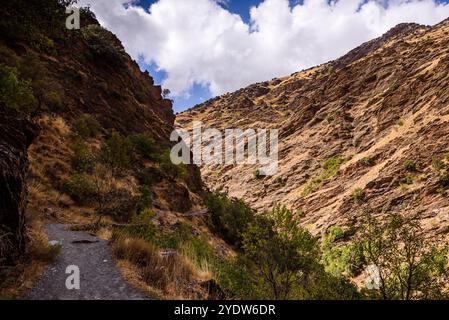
(100, 279)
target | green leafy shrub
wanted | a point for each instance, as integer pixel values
(116, 152)
(235, 276)
(142, 226)
(104, 46)
(86, 126)
(145, 199)
(170, 169)
(438, 165)
(330, 168)
(412, 265)
(368, 161)
(410, 165)
(358, 195)
(144, 144)
(80, 188)
(228, 217)
(83, 160)
(15, 93)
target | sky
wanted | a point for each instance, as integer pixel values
(203, 48)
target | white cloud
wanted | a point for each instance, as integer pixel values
(200, 41)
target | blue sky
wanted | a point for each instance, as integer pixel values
(198, 93)
(199, 50)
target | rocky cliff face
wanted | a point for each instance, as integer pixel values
(365, 132)
(16, 135)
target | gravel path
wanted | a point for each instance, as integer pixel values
(100, 278)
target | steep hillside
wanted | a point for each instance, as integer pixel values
(367, 131)
(99, 160)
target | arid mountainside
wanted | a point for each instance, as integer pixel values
(367, 131)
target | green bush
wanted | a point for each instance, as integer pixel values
(83, 160)
(438, 165)
(228, 217)
(142, 226)
(104, 46)
(368, 161)
(15, 93)
(144, 144)
(410, 165)
(358, 195)
(235, 277)
(86, 126)
(145, 199)
(330, 168)
(80, 188)
(170, 169)
(116, 152)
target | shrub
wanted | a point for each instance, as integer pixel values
(330, 168)
(144, 144)
(54, 99)
(281, 252)
(358, 195)
(235, 277)
(170, 169)
(438, 165)
(145, 199)
(368, 161)
(15, 93)
(86, 126)
(80, 188)
(104, 46)
(228, 217)
(257, 175)
(83, 159)
(443, 181)
(412, 265)
(116, 152)
(410, 165)
(142, 226)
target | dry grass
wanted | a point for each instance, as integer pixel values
(173, 276)
(17, 280)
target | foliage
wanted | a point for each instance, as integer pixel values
(438, 165)
(86, 126)
(80, 188)
(171, 170)
(83, 159)
(358, 195)
(235, 277)
(144, 144)
(116, 152)
(410, 265)
(228, 217)
(104, 46)
(34, 21)
(142, 226)
(330, 168)
(284, 253)
(145, 199)
(410, 165)
(15, 93)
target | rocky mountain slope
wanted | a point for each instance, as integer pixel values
(98, 160)
(365, 132)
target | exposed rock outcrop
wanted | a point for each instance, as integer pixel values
(16, 134)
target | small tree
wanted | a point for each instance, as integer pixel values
(409, 265)
(284, 254)
(116, 153)
(103, 182)
(166, 93)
